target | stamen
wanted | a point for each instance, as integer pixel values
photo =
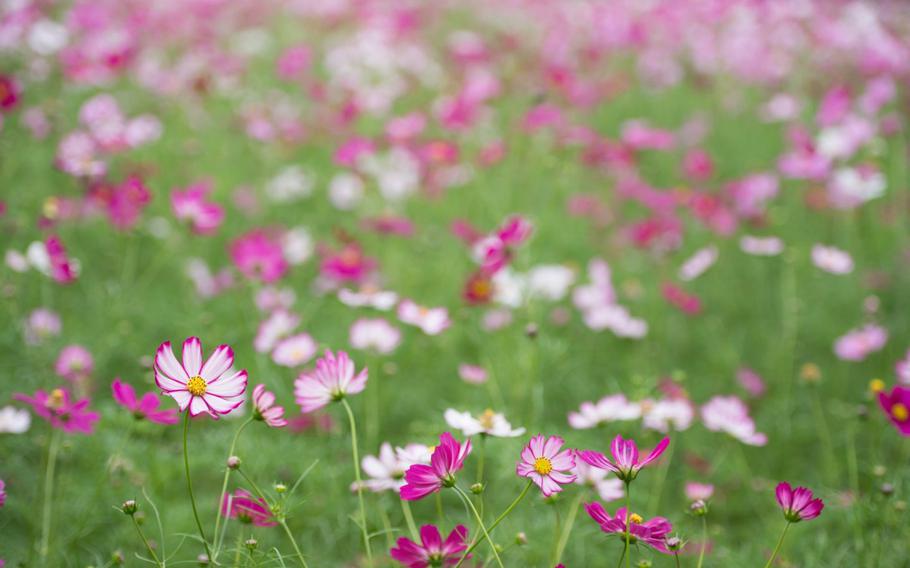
(543, 466)
(196, 386)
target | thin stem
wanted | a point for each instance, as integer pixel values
(145, 540)
(224, 483)
(409, 518)
(483, 528)
(189, 484)
(780, 541)
(625, 551)
(53, 448)
(621, 556)
(363, 511)
(704, 540)
(287, 531)
(498, 520)
(481, 457)
(239, 548)
(567, 528)
(676, 554)
(654, 505)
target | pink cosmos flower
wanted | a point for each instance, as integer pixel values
(374, 334)
(333, 378)
(295, 350)
(698, 491)
(74, 363)
(2, 493)
(122, 202)
(62, 269)
(259, 256)
(349, 264)
(625, 463)
(488, 423)
(608, 409)
(247, 509)
(902, 369)
(432, 550)
(144, 408)
(472, 374)
(653, 533)
(858, 344)
(264, 408)
(448, 457)
(368, 295)
(543, 463)
(192, 205)
(832, 260)
(751, 381)
(10, 92)
(386, 471)
(78, 155)
(896, 405)
(41, 324)
(58, 408)
(431, 321)
(274, 328)
(662, 415)
(698, 263)
(211, 387)
(761, 246)
(293, 62)
(688, 303)
(731, 415)
(798, 504)
(496, 250)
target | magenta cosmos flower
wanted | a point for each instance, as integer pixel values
(896, 405)
(653, 533)
(192, 205)
(142, 408)
(265, 409)
(625, 462)
(543, 463)
(448, 457)
(212, 387)
(432, 550)
(58, 408)
(258, 255)
(334, 378)
(2, 493)
(247, 509)
(798, 504)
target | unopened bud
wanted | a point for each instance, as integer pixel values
(879, 470)
(129, 507)
(203, 560)
(117, 558)
(477, 488)
(521, 539)
(699, 508)
(674, 543)
(251, 543)
(280, 488)
(900, 506)
(887, 489)
(531, 330)
(233, 462)
(644, 564)
(862, 412)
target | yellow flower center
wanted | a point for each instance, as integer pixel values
(635, 519)
(55, 400)
(876, 385)
(900, 412)
(486, 419)
(543, 466)
(196, 385)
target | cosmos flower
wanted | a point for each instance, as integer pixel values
(61, 268)
(432, 550)
(700, 261)
(295, 350)
(432, 321)
(264, 408)
(349, 264)
(58, 408)
(625, 463)
(14, 421)
(374, 334)
(40, 325)
(662, 415)
(191, 204)
(731, 415)
(698, 491)
(832, 260)
(543, 463)
(857, 344)
(608, 409)
(74, 363)
(653, 533)
(608, 487)
(496, 250)
(275, 327)
(258, 256)
(447, 459)
(241, 505)
(798, 504)
(144, 408)
(896, 405)
(368, 296)
(211, 387)
(386, 471)
(333, 378)
(472, 374)
(489, 423)
(761, 246)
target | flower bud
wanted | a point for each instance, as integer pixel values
(117, 558)
(887, 489)
(129, 507)
(644, 564)
(280, 488)
(477, 488)
(251, 544)
(521, 539)
(699, 508)
(233, 462)
(531, 330)
(879, 470)
(674, 543)
(203, 560)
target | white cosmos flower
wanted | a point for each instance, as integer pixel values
(489, 423)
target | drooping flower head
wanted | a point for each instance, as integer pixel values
(896, 405)
(625, 463)
(448, 458)
(333, 378)
(212, 387)
(58, 408)
(653, 532)
(264, 408)
(432, 550)
(543, 463)
(247, 509)
(142, 408)
(798, 504)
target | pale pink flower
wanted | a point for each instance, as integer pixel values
(275, 327)
(902, 369)
(192, 204)
(368, 296)
(333, 379)
(698, 263)
(74, 363)
(543, 463)
(831, 259)
(375, 334)
(698, 491)
(488, 423)
(295, 350)
(432, 321)
(211, 387)
(269, 299)
(385, 472)
(731, 415)
(761, 246)
(608, 409)
(40, 325)
(264, 408)
(857, 344)
(472, 374)
(666, 414)
(608, 487)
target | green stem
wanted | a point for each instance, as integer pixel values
(625, 551)
(483, 528)
(498, 520)
(287, 531)
(239, 548)
(145, 541)
(567, 528)
(780, 541)
(409, 518)
(224, 483)
(53, 448)
(704, 540)
(662, 478)
(363, 511)
(676, 554)
(481, 457)
(189, 484)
